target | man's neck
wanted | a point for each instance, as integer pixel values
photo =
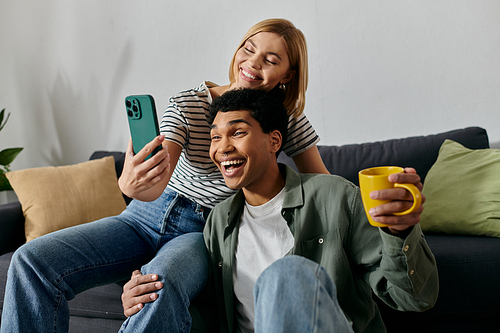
(267, 189)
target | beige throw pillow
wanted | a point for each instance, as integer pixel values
(54, 198)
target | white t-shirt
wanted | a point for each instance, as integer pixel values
(263, 238)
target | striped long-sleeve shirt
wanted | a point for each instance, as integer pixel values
(195, 175)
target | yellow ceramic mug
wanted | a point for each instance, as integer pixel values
(378, 179)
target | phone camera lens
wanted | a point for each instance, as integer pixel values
(130, 113)
(128, 103)
(135, 108)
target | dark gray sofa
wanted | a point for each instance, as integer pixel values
(469, 266)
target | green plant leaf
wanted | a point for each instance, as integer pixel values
(8, 155)
(2, 114)
(4, 182)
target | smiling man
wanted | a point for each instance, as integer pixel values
(246, 157)
(295, 253)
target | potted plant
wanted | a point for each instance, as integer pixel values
(6, 157)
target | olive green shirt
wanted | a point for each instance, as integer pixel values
(326, 217)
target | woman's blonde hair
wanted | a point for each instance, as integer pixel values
(295, 89)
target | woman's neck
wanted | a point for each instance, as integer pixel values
(217, 91)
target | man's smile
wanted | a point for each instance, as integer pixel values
(230, 166)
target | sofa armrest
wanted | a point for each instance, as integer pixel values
(11, 227)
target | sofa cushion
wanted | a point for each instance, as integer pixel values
(102, 304)
(469, 291)
(53, 198)
(463, 192)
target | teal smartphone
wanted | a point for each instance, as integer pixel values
(142, 120)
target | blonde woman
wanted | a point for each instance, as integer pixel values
(173, 193)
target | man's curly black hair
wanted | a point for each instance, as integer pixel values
(266, 108)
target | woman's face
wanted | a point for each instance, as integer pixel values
(262, 63)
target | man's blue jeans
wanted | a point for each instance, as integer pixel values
(48, 271)
(295, 294)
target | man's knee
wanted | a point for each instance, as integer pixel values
(296, 294)
(295, 273)
(290, 267)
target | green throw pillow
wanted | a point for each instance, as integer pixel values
(462, 191)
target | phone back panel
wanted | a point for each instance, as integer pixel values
(143, 122)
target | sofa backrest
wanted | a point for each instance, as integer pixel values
(419, 152)
(119, 160)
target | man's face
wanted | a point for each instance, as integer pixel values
(240, 149)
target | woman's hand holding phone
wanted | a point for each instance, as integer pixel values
(144, 179)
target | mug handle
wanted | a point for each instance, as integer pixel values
(417, 198)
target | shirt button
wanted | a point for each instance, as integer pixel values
(220, 263)
(412, 272)
(321, 240)
(407, 247)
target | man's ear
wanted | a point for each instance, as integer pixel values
(276, 140)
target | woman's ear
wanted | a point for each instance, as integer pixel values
(289, 76)
(275, 141)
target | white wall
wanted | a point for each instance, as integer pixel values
(378, 69)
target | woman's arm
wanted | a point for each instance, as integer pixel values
(146, 180)
(310, 161)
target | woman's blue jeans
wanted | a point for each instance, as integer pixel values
(164, 235)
